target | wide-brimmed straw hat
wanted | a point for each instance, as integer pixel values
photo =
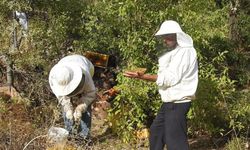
(64, 78)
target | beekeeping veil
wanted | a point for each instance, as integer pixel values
(170, 27)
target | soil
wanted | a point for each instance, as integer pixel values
(21, 128)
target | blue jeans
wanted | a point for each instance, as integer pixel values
(85, 124)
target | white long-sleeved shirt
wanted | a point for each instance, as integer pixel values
(178, 75)
(88, 92)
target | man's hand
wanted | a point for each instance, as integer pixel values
(69, 114)
(131, 74)
(140, 75)
(79, 110)
(67, 106)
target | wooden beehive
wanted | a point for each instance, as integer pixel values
(99, 60)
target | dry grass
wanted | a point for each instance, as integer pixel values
(22, 127)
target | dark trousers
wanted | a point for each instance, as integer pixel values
(170, 127)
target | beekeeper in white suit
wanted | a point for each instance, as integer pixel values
(22, 19)
(71, 81)
(177, 80)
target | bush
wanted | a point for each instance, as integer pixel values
(237, 144)
(134, 108)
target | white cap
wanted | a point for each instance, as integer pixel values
(169, 27)
(64, 78)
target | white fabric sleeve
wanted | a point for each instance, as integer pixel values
(67, 106)
(173, 73)
(89, 91)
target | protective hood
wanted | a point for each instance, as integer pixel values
(170, 27)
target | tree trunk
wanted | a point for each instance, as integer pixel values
(9, 72)
(6, 60)
(234, 34)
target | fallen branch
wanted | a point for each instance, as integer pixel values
(33, 140)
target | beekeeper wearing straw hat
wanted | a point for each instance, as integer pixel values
(71, 81)
(177, 80)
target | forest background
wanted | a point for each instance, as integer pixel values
(125, 30)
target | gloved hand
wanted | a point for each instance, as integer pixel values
(67, 106)
(79, 110)
(69, 114)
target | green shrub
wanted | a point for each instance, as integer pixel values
(237, 144)
(210, 110)
(133, 108)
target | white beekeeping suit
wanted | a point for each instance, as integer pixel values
(22, 19)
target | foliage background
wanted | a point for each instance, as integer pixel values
(125, 29)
